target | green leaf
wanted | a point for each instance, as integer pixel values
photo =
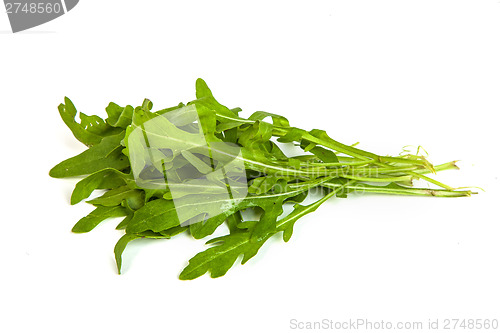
(218, 208)
(286, 224)
(90, 131)
(115, 196)
(196, 162)
(200, 187)
(119, 116)
(160, 214)
(163, 111)
(278, 120)
(220, 258)
(255, 136)
(106, 154)
(324, 154)
(120, 247)
(98, 215)
(123, 224)
(150, 137)
(103, 179)
(263, 184)
(173, 231)
(155, 215)
(205, 97)
(224, 126)
(202, 89)
(134, 201)
(233, 222)
(292, 135)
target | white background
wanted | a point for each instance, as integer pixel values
(385, 73)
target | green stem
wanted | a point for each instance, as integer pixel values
(361, 154)
(408, 177)
(290, 218)
(365, 188)
(430, 180)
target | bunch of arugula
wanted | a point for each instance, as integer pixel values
(131, 153)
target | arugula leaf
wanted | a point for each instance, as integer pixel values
(219, 259)
(106, 154)
(158, 215)
(119, 116)
(104, 179)
(194, 166)
(120, 247)
(90, 131)
(323, 154)
(123, 224)
(98, 215)
(155, 215)
(278, 120)
(116, 196)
